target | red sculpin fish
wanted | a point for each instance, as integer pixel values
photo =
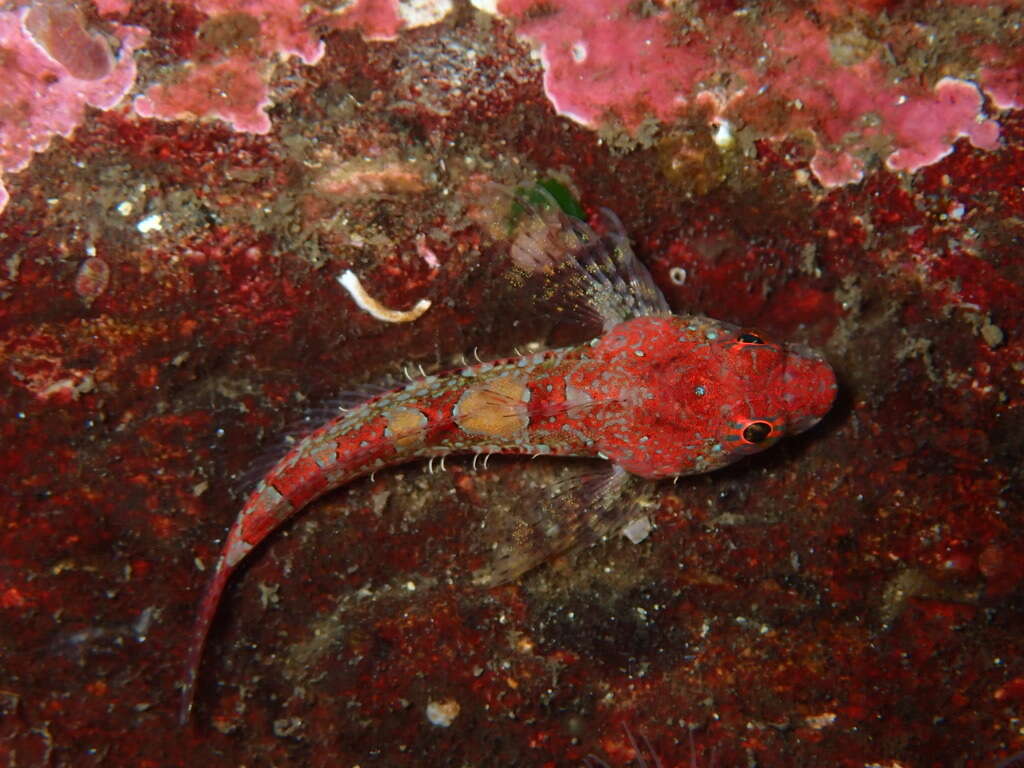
(656, 396)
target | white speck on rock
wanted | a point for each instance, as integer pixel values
(153, 222)
(443, 713)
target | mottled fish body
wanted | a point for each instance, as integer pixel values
(656, 395)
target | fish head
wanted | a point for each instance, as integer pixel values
(686, 394)
(748, 391)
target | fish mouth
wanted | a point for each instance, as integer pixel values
(811, 389)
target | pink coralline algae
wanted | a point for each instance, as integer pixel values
(110, 7)
(284, 25)
(1002, 75)
(60, 31)
(375, 19)
(608, 65)
(920, 130)
(232, 89)
(52, 68)
(228, 78)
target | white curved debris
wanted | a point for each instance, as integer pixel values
(366, 302)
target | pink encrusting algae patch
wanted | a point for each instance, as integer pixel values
(53, 67)
(113, 7)
(602, 61)
(924, 130)
(232, 85)
(285, 25)
(375, 20)
(231, 89)
(607, 65)
(60, 31)
(1002, 75)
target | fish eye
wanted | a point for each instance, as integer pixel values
(757, 432)
(750, 337)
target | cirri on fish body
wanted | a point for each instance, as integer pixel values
(656, 395)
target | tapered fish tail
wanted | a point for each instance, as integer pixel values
(265, 509)
(293, 483)
(207, 610)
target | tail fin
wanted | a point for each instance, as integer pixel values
(204, 620)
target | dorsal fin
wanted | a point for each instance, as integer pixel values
(574, 273)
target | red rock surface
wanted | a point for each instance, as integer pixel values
(168, 308)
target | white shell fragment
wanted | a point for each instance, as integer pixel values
(369, 304)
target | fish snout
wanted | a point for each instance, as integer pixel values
(811, 387)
